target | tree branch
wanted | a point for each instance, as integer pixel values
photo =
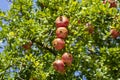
(3, 73)
(45, 47)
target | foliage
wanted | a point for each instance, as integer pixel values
(96, 55)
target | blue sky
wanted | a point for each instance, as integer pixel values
(4, 5)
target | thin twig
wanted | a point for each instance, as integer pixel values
(44, 46)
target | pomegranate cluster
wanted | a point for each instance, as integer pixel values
(59, 65)
(61, 32)
(59, 43)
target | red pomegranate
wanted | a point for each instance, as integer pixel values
(114, 33)
(61, 32)
(58, 43)
(89, 28)
(67, 58)
(62, 21)
(104, 1)
(27, 45)
(79, 21)
(113, 3)
(59, 66)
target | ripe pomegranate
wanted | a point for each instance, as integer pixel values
(59, 66)
(61, 32)
(104, 1)
(89, 28)
(79, 21)
(27, 45)
(67, 58)
(114, 33)
(58, 43)
(113, 3)
(62, 21)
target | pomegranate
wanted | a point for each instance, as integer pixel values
(62, 21)
(114, 33)
(58, 43)
(27, 45)
(113, 3)
(59, 66)
(104, 1)
(61, 32)
(79, 21)
(67, 58)
(89, 28)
